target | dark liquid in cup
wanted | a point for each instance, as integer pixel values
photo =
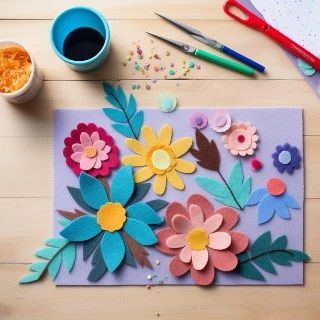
(83, 44)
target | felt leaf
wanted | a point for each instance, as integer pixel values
(137, 122)
(298, 256)
(281, 257)
(265, 209)
(46, 253)
(290, 201)
(64, 222)
(123, 129)
(30, 277)
(261, 244)
(157, 204)
(69, 256)
(70, 215)
(115, 115)
(92, 191)
(54, 266)
(99, 268)
(128, 257)
(212, 186)
(256, 196)
(121, 97)
(112, 249)
(243, 194)
(38, 266)
(81, 229)
(90, 245)
(77, 197)
(265, 264)
(248, 270)
(280, 243)
(143, 212)
(140, 190)
(235, 178)
(132, 106)
(109, 89)
(113, 101)
(122, 185)
(55, 242)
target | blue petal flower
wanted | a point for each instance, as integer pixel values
(81, 229)
(290, 201)
(112, 249)
(256, 196)
(266, 208)
(143, 212)
(122, 185)
(281, 208)
(92, 191)
(140, 232)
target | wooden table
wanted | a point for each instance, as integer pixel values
(26, 160)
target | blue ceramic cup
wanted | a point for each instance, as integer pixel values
(75, 18)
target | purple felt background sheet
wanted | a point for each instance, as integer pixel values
(274, 125)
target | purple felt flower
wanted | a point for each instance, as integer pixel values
(198, 120)
(286, 158)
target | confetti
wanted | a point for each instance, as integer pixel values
(139, 51)
(168, 53)
(149, 276)
(158, 261)
(148, 87)
(136, 66)
(172, 72)
(131, 53)
(198, 66)
(190, 64)
(124, 63)
(156, 69)
(156, 56)
(133, 86)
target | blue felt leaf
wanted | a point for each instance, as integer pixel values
(128, 257)
(290, 201)
(122, 97)
(212, 186)
(115, 115)
(54, 266)
(92, 191)
(244, 191)
(69, 256)
(46, 253)
(157, 204)
(123, 129)
(140, 232)
(114, 101)
(140, 190)
(77, 197)
(136, 123)
(122, 185)
(132, 106)
(235, 178)
(112, 249)
(90, 245)
(99, 267)
(109, 89)
(30, 277)
(81, 229)
(56, 242)
(281, 208)
(256, 196)
(265, 209)
(38, 266)
(143, 212)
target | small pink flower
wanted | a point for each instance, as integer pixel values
(220, 121)
(198, 120)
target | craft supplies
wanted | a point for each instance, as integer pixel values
(20, 78)
(80, 37)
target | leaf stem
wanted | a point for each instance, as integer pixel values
(224, 180)
(263, 253)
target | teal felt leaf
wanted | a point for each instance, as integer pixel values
(69, 256)
(140, 190)
(140, 232)
(235, 178)
(228, 201)
(244, 192)
(92, 191)
(99, 268)
(280, 243)
(38, 266)
(77, 197)
(265, 264)
(248, 270)
(281, 257)
(90, 245)
(262, 244)
(136, 123)
(256, 196)
(81, 229)
(112, 249)
(30, 277)
(65, 222)
(216, 188)
(243, 256)
(157, 204)
(54, 266)
(115, 115)
(143, 212)
(46, 253)
(122, 97)
(56, 242)
(298, 256)
(128, 257)
(114, 101)
(109, 89)
(132, 106)
(124, 130)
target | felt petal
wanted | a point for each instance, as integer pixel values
(112, 249)
(163, 235)
(177, 241)
(239, 242)
(200, 258)
(177, 267)
(159, 184)
(98, 164)
(81, 229)
(99, 145)
(203, 277)
(266, 209)
(85, 139)
(256, 196)
(77, 147)
(184, 166)
(136, 146)
(87, 163)
(224, 260)
(173, 209)
(181, 146)
(219, 240)
(102, 155)
(143, 212)
(149, 135)
(140, 232)
(203, 203)
(175, 180)
(134, 160)
(77, 156)
(185, 254)
(165, 135)
(181, 224)
(230, 218)
(213, 223)
(122, 185)
(196, 215)
(95, 136)
(290, 201)
(92, 191)
(281, 209)
(143, 174)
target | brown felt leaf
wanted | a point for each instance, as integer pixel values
(139, 253)
(71, 215)
(207, 153)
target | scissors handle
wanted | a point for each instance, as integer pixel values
(251, 20)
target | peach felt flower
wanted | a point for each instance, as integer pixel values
(241, 139)
(200, 239)
(220, 121)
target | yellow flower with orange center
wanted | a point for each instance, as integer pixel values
(159, 157)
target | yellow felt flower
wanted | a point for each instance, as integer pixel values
(159, 157)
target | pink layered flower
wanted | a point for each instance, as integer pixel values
(200, 239)
(90, 149)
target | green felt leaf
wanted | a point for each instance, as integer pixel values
(38, 266)
(281, 257)
(249, 271)
(132, 106)
(244, 192)
(228, 201)
(265, 264)
(280, 243)
(216, 188)
(54, 266)
(298, 256)
(262, 244)
(157, 204)
(30, 277)
(46, 253)
(56, 242)
(69, 256)
(235, 178)
(115, 115)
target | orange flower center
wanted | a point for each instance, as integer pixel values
(90, 151)
(276, 187)
(198, 239)
(111, 216)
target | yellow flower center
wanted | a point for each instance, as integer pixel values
(161, 159)
(90, 151)
(111, 216)
(198, 239)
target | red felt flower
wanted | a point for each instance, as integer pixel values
(90, 149)
(200, 239)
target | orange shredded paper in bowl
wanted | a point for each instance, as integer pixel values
(15, 69)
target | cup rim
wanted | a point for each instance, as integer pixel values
(26, 86)
(105, 45)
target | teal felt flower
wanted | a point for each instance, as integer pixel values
(118, 218)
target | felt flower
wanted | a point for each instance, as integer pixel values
(115, 218)
(167, 102)
(90, 149)
(198, 120)
(159, 157)
(272, 199)
(220, 121)
(200, 239)
(241, 139)
(286, 158)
